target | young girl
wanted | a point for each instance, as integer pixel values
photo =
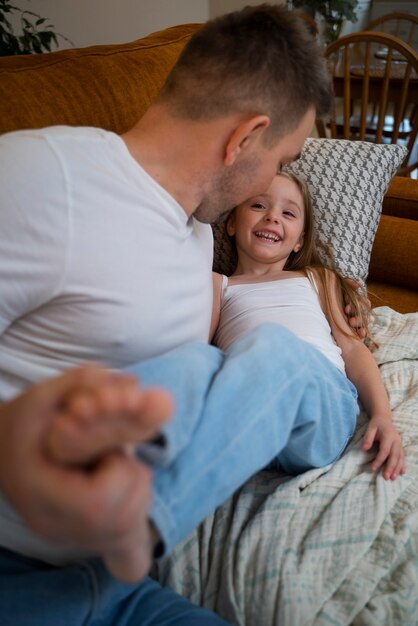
(280, 278)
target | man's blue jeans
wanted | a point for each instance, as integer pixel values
(272, 397)
(33, 593)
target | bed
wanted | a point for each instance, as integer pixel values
(336, 546)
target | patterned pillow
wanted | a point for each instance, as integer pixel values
(347, 181)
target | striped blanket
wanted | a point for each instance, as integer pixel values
(336, 546)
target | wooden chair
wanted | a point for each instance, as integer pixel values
(402, 25)
(399, 24)
(375, 78)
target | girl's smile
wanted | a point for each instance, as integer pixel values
(268, 235)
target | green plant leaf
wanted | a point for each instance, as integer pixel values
(36, 34)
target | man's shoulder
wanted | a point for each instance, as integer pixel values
(47, 153)
(32, 137)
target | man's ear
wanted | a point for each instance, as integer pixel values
(243, 135)
(230, 224)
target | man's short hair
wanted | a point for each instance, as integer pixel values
(260, 60)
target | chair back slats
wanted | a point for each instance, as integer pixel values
(411, 36)
(375, 79)
(384, 97)
(401, 106)
(365, 95)
(402, 25)
(333, 125)
(409, 167)
(347, 94)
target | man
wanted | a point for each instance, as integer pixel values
(109, 265)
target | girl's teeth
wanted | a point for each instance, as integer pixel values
(268, 236)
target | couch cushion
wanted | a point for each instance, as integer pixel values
(107, 86)
(401, 198)
(400, 299)
(395, 264)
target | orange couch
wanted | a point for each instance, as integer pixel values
(111, 86)
(393, 273)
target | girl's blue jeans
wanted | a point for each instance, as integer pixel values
(271, 398)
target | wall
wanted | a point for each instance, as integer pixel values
(381, 7)
(218, 7)
(89, 22)
(363, 12)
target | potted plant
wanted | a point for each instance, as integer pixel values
(35, 34)
(330, 14)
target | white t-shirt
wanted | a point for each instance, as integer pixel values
(291, 302)
(97, 263)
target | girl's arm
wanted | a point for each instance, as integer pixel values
(364, 373)
(216, 304)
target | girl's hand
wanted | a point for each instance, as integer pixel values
(391, 452)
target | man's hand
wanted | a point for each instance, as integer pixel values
(353, 320)
(114, 416)
(98, 503)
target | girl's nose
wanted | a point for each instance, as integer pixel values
(272, 216)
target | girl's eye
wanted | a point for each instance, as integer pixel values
(289, 213)
(258, 206)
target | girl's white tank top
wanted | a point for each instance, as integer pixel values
(291, 302)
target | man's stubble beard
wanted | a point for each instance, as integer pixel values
(228, 190)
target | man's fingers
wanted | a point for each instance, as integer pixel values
(112, 501)
(47, 395)
(353, 283)
(119, 393)
(117, 416)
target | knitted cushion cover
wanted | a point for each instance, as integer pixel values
(347, 181)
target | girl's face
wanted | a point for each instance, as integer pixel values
(268, 227)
